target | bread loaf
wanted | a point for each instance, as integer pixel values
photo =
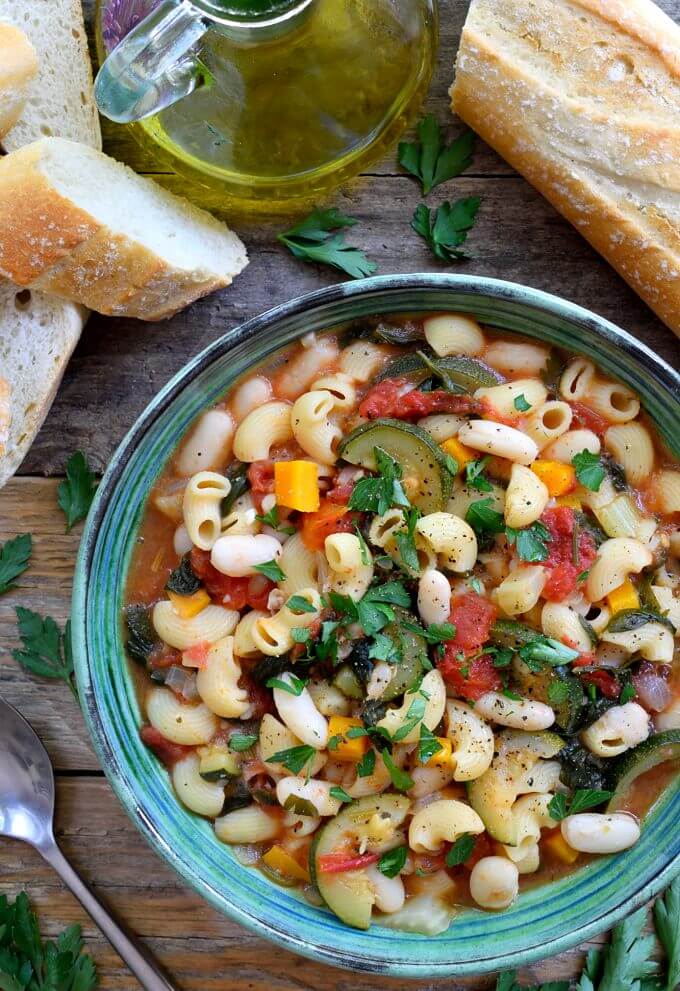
(76, 223)
(18, 65)
(583, 98)
(59, 98)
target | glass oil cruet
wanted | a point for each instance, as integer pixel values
(269, 101)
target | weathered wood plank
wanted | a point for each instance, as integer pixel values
(199, 947)
(120, 364)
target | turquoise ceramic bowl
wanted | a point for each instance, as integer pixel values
(545, 920)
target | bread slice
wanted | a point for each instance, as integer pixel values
(583, 98)
(18, 65)
(37, 336)
(59, 99)
(79, 224)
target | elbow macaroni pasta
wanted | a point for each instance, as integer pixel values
(261, 429)
(201, 507)
(312, 427)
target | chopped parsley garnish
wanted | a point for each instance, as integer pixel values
(545, 650)
(298, 604)
(461, 850)
(272, 519)
(406, 543)
(584, 798)
(474, 475)
(340, 794)
(520, 403)
(530, 541)
(400, 779)
(483, 518)
(392, 861)
(271, 570)
(363, 547)
(428, 745)
(628, 693)
(414, 715)
(383, 648)
(294, 759)
(242, 741)
(295, 686)
(374, 610)
(378, 493)
(366, 765)
(589, 470)
(301, 634)
(435, 632)
(476, 586)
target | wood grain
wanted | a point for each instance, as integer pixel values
(117, 369)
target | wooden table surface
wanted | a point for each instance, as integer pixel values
(117, 369)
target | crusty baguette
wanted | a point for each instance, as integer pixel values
(79, 224)
(18, 66)
(37, 336)
(583, 98)
(60, 98)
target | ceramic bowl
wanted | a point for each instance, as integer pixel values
(545, 920)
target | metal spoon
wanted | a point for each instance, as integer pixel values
(27, 812)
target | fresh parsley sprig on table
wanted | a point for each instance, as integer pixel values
(29, 964)
(76, 492)
(313, 240)
(46, 651)
(432, 161)
(445, 229)
(15, 555)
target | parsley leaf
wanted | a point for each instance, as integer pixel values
(428, 745)
(400, 779)
(447, 230)
(363, 547)
(272, 519)
(271, 570)
(429, 160)
(298, 604)
(545, 650)
(76, 492)
(301, 634)
(483, 518)
(520, 403)
(589, 470)
(295, 686)
(583, 798)
(294, 759)
(474, 477)
(366, 765)
(415, 714)
(435, 633)
(14, 557)
(628, 693)
(383, 648)
(392, 861)
(242, 741)
(378, 493)
(312, 240)
(406, 542)
(530, 541)
(340, 793)
(46, 650)
(627, 959)
(667, 924)
(460, 850)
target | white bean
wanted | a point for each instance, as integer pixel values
(593, 832)
(515, 713)
(237, 556)
(318, 793)
(434, 597)
(497, 439)
(300, 715)
(388, 892)
(249, 395)
(182, 541)
(494, 882)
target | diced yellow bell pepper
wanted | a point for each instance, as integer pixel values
(188, 606)
(443, 756)
(349, 750)
(296, 485)
(559, 848)
(556, 476)
(461, 455)
(279, 860)
(572, 501)
(623, 597)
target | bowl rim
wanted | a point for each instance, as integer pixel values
(498, 289)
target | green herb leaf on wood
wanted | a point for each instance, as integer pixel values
(430, 160)
(15, 555)
(313, 240)
(46, 651)
(446, 228)
(76, 492)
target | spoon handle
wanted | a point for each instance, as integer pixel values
(138, 960)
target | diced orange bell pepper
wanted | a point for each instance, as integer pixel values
(462, 455)
(188, 606)
(572, 501)
(556, 476)
(556, 844)
(443, 756)
(281, 862)
(625, 596)
(349, 750)
(296, 485)
(319, 525)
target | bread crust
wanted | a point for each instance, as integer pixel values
(583, 98)
(48, 243)
(18, 66)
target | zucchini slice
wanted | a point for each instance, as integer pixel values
(465, 374)
(421, 459)
(656, 749)
(350, 894)
(218, 763)
(413, 655)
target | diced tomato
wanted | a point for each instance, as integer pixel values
(563, 566)
(469, 678)
(392, 398)
(339, 863)
(166, 751)
(473, 616)
(328, 519)
(585, 418)
(261, 478)
(260, 698)
(257, 593)
(483, 848)
(604, 680)
(584, 660)
(164, 657)
(196, 656)
(234, 593)
(341, 493)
